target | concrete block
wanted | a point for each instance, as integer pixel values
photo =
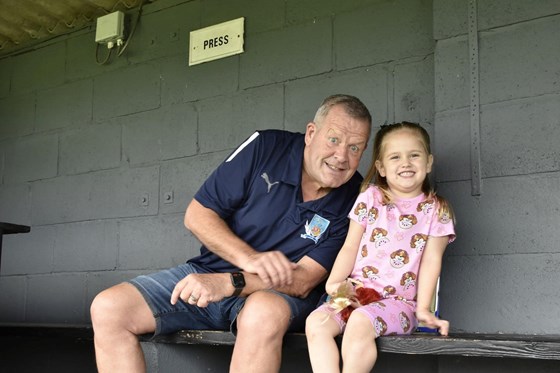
(260, 16)
(521, 137)
(56, 298)
(452, 74)
(518, 61)
(451, 145)
(155, 243)
(90, 149)
(87, 246)
(6, 67)
(29, 253)
(506, 218)
(17, 115)
(508, 145)
(225, 122)
(12, 298)
(507, 288)
(156, 135)
(99, 195)
(31, 158)
(450, 18)
(303, 11)
(414, 92)
(183, 177)
(495, 13)
(286, 54)
(373, 35)
(81, 61)
(42, 68)
(180, 82)
(126, 91)
(64, 106)
(304, 96)
(164, 33)
(15, 203)
(215, 78)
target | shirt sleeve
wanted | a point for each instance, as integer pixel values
(225, 189)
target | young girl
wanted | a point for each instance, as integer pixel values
(399, 229)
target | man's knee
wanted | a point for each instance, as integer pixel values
(265, 311)
(103, 307)
(119, 306)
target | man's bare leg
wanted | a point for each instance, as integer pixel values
(119, 314)
(261, 326)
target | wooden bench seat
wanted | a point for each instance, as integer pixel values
(543, 347)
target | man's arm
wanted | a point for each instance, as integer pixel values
(272, 267)
(306, 277)
(213, 287)
(262, 270)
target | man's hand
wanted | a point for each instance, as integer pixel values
(431, 321)
(200, 289)
(273, 268)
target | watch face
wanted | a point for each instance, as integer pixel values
(238, 280)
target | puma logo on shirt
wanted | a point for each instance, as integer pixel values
(267, 180)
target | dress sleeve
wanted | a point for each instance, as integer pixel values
(442, 226)
(362, 206)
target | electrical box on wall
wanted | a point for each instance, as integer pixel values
(110, 29)
(217, 41)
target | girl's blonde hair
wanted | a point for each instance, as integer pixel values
(373, 176)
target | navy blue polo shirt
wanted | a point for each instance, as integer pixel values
(256, 190)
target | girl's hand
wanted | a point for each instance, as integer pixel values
(431, 321)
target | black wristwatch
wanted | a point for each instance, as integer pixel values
(238, 282)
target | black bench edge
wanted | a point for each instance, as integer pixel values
(30, 330)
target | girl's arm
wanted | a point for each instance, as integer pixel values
(346, 257)
(430, 269)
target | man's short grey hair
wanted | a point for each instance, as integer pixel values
(352, 106)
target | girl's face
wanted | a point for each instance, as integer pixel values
(404, 162)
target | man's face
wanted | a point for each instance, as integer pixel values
(334, 148)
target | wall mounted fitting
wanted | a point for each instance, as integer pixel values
(110, 29)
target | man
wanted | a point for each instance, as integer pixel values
(271, 219)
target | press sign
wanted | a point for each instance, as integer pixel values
(217, 41)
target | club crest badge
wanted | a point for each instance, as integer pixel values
(315, 229)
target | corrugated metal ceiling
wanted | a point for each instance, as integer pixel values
(24, 23)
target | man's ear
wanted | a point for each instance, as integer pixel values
(310, 132)
(380, 168)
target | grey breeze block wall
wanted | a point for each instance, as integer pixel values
(501, 275)
(101, 161)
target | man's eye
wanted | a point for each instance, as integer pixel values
(333, 140)
(355, 148)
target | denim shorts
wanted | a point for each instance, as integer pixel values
(156, 288)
